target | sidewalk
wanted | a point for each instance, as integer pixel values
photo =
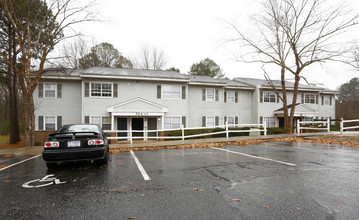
(35, 150)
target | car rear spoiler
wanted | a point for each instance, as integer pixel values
(73, 133)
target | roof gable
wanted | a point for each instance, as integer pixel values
(137, 105)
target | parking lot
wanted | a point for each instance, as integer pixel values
(274, 180)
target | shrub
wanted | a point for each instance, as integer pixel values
(335, 127)
(218, 130)
(275, 130)
(4, 127)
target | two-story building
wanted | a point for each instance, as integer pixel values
(119, 99)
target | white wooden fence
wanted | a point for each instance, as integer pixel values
(342, 128)
(300, 128)
(153, 134)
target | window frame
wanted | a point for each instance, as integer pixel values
(234, 121)
(326, 100)
(171, 92)
(269, 97)
(44, 90)
(268, 123)
(234, 96)
(100, 116)
(214, 95)
(214, 121)
(171, 122)
(310, 98)
(50, 116)
(101, 90)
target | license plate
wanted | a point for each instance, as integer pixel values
(73, 143)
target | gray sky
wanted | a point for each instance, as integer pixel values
(191, 30)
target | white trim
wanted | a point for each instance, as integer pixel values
(44, 90)
(169, 85)
(206, 84)
(234, 120)
(315, 98)
(112, 108)
(102, 97)
(214, 121)
(270, 93)
(133, 78)
(234, 96)
(214, 94)
(61, 77)
(172, 116)
(47, 116)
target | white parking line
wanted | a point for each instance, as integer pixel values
(248, 155)
(4, 168)
(140, 167)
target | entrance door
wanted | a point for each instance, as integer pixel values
(281, 122)
(121, 125)
(137, 124)
(152, 125)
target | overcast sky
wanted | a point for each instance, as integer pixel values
(189, 31)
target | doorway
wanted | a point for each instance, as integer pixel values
(121, 125)
(152, 125)
(137, 124)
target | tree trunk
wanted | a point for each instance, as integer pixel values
(29, 119)
(13, 92)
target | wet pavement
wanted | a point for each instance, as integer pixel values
(274, 180)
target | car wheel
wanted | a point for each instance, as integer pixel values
(51, 164)
(103, 161)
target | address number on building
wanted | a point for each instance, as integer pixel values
(141, 113)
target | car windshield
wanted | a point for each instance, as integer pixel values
(80, 128)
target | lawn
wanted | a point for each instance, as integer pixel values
(4, 139)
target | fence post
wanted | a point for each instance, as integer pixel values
(265, 128)
(130, 133)
(328, 126)
(226, 129)
(341, 125)
(182, 128)
(298, 126)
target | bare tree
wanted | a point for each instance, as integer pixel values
(71, 52)
(294, 34)
(36, 44)
(150, 58)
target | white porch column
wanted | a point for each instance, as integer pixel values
(112, 122)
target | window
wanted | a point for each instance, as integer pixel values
(171, 92)
(308, 118)
(50, 122)
(269, 97)
(310, 98)
(270, 121)
(230, 121)
(210, 95)
(102, 121)
(210, 122)
(172, 122)
(101, 89)
(231, 96)
(326, 100)
(50, 90)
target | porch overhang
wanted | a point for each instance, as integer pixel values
(137, 107)
(301, 110)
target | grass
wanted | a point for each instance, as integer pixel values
(4, 139)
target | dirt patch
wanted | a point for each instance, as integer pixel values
(7, 155)
(20, 144)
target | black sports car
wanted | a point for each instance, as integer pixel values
(76, 142)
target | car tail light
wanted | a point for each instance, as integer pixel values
(95, 142)
(51, 144)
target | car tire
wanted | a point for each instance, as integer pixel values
(102, 161)
(51, 164)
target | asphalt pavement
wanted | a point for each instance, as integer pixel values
(273, 180)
